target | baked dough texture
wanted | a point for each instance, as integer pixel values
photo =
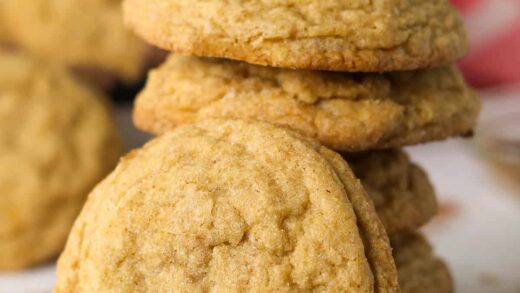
(87, 35)
(228, 206)
(339, 35)
(401, 191)
(3, 32)
(345, 111)
(57, 140)
(419, 269)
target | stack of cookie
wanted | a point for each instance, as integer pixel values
(241, 191)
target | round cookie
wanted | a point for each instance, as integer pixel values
(228, 206)
(418, 268)
(401, 191)
(339, 35)
(345, 111)
(57, 140)
(88, 36)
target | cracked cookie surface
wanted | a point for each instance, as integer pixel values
(65, 32)
(419, 269)
(57, 140)
(228, 206)
(344, 111)
(339, 35)
(401, 191)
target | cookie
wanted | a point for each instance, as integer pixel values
(401, 191)
(88, 36)
(419, 269)
(3, 33)
(228, 206)
(339, 35)
(57, 140)
(345, 111)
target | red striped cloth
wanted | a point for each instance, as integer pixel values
(494, 36)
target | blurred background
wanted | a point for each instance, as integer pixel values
(478, 181)
(477, 230)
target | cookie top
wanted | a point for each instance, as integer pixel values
(401, 191)
(345, 111)
(64, 31)
(419, 269)
(339, 35)
(57, 140)
(228, 206)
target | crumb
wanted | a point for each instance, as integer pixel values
(448, 209)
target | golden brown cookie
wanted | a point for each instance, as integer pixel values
(3, 36)
(3, 31)
(344, 111)
(228, 206)
(86, 35)
(419, 269)
(402, 193)
(340, 35)
(57, 140)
